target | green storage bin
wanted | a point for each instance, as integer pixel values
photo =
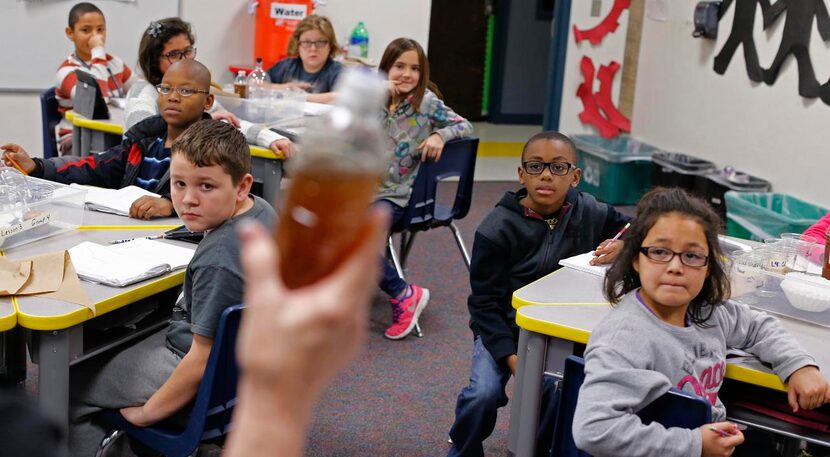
(616, 170)
(760, 215)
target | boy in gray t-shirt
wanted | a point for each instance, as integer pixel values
(160, 375)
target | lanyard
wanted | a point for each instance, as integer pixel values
(111, 76)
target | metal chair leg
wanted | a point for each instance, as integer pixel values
(460, 242)
(402, 249)
(405, 249)
(417, 331)
(108, 442)
(393, 254)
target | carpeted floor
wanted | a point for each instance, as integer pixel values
(398, 398)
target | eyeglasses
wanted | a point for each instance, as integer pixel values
(664, 255)
(166, 89)
(306, 44)
(533, 167)
(175, 56)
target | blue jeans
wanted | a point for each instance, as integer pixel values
(478, 403)
(390, 282)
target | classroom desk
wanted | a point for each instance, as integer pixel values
(100, 135)
(8, 317)
(574, 306)
(57, 327)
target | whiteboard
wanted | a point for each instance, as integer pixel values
(33, 43)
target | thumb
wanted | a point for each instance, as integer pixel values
(792, 399)
(421, 145)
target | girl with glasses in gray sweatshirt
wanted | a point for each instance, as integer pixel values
(671, 327)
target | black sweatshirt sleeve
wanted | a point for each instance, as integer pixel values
(490, 284)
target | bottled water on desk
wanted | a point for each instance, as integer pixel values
(258, 93)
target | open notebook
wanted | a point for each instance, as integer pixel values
(120, 265)
(116, 201)
(582, 262)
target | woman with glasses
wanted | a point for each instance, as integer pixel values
(310, 63)
(164, 43)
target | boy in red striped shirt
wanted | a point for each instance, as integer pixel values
(87, 28)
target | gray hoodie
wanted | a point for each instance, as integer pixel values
(633, 358)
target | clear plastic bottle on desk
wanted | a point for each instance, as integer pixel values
(334, 179)
(240, 84)
(258, 91)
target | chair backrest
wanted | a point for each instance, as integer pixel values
(212, 411)
(49, 118)
(458, 159)
(673, 409)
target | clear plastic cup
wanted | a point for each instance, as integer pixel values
(746, 276)
(802, 247)
(774, 267)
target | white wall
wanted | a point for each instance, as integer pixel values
(681, 104)
(225, 35)
(385, 20)
(611, 48)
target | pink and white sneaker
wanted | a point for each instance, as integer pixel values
(405, 312)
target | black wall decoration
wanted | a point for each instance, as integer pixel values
(795, 40)
(741, 34)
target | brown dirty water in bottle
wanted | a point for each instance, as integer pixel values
(322, 222)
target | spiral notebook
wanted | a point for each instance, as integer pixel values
(119, 265)
(115, 201)
(582, 262)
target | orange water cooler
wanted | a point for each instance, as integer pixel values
(275, 22)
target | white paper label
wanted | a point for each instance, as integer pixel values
(28, 224)
(288, 11)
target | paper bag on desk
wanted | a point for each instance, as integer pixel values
(13, 274)
(49, 275)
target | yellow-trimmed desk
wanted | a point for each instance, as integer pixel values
(100, 135)
(8, 317)
(549, 332)
(57, 327)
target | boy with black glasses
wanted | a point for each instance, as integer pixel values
(520, 241)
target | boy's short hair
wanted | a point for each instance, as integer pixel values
(79, 10)
(550, 135)
(210, 142)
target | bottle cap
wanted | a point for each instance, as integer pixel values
(360, 90)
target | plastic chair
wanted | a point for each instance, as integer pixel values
(673, 409)
(458, 159)
(211, 415)
(49, 118)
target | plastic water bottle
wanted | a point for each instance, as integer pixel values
(359, 41)
(240, 84)
(258, 83)
(334, 179)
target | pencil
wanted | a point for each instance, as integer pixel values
(620, 233)
(616, 237)
(127, 240)
(722, 433)
(16, 165)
